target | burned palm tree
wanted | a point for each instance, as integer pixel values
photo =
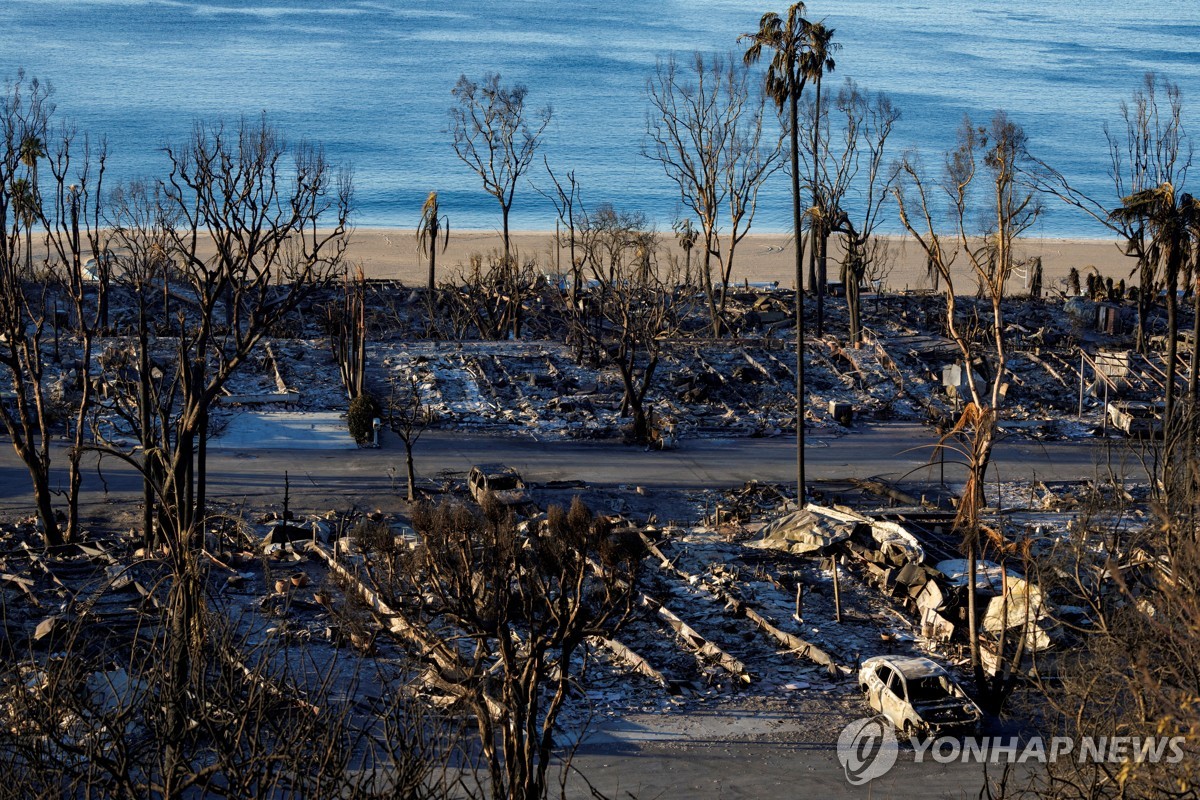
(25, 207)
(815, 61)
(433, 234)
(1169, 218)
(787, 40)
(31, 150)
(687, 234)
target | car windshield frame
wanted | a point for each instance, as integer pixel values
(928, 688)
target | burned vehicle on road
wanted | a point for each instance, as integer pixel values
(503, 483)
(917, 696)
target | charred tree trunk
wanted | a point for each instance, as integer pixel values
(75, 457)
(1145, 302)
(412, 474)
(151, 479)
(22, 431)
(1194, 363)
(853, 305)
(797, 233)
(969, 516)
(38, 472)
(508, 256)
(710, 292)
(145, 432)
(187, 512)
(822, 275)
(201, 467)
(634, 402)
(185, 632)
(176, 515)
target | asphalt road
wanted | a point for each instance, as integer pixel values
(895, 452)
(726, 754)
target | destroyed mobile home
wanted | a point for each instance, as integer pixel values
(1061, 376)
(889, 549)
(724, 606)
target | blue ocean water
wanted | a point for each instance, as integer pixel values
(372, 80)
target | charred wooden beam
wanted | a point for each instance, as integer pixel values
(634, 661)
(699, 644)
(1041, 363)
(450, 669)
(881, 489)
(739, 608)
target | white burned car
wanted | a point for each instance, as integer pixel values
(503, 483)
(917, 695)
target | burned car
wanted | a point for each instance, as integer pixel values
(504, 484)
(917, 695)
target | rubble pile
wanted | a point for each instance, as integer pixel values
(729, 606)
(905, 369)
(913, 559)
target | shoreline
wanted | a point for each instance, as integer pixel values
(391, 253)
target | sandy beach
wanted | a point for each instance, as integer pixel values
(392, 254)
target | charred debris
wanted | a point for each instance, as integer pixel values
(712, 595)
(1071, 362)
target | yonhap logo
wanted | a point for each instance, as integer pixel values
(867, 749)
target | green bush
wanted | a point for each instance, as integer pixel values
(360, 416)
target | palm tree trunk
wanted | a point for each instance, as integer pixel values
(817, 225)
(37, 198)
(432, 261)
(1145, 297)
(812, 259)
(797, 226)
(822, 274)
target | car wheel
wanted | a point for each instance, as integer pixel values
(908, 729)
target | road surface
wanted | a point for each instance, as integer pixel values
(894, 452)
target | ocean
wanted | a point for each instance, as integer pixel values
(371, 81)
